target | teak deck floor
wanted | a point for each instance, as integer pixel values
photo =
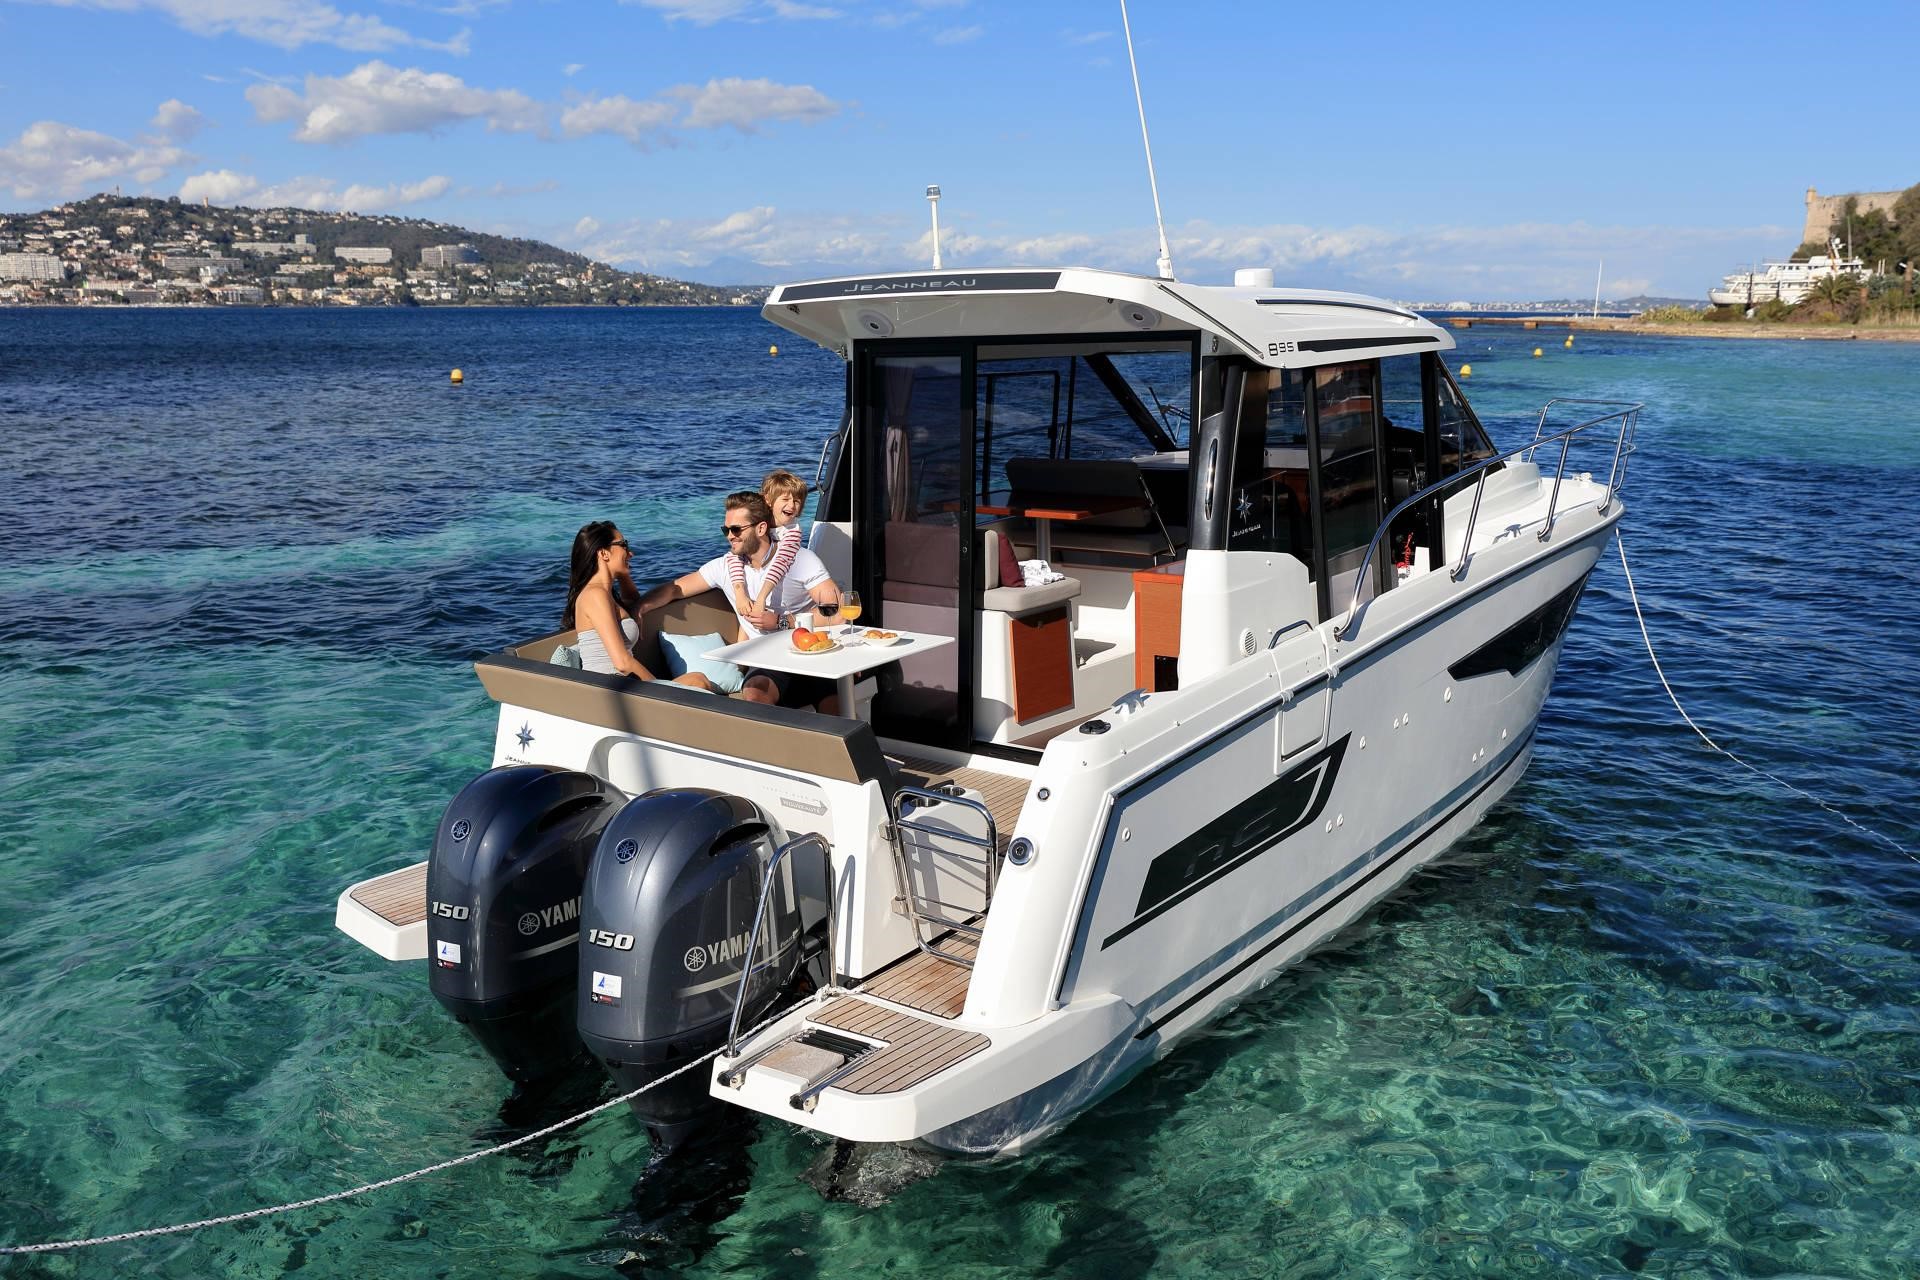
(916, 1048)
(398, 897)
(928, 983)
(1005, 794)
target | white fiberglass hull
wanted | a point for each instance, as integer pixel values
(1240, 833)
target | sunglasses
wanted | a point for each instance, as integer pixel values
(620, 543)
(734, 530)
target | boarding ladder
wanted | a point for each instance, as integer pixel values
(946, 855)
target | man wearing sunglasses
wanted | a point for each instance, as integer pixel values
(807, 583)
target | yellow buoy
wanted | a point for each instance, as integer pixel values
(457, 377)
(1466, 371)
(1569, 341)
(773, 351)
(1536, 352)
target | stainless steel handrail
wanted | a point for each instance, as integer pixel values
(989, 845)
(759, 914)
(1626, 412)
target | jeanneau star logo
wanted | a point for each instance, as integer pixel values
(525, 736)
(1245, 508)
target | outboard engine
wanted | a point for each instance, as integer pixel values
(503, 910)
(664, 922)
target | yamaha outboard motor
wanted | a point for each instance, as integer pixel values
(503, 910)
(664, 922)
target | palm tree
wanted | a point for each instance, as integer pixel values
(1838, 291)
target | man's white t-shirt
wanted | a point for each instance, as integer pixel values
(790, 596)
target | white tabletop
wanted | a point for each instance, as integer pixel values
(774, 651)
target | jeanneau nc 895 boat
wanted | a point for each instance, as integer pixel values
(1306, 617)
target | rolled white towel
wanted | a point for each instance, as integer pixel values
(1038, 573)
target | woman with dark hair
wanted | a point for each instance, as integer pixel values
(607, 629)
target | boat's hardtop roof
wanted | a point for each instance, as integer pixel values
(1280, 327)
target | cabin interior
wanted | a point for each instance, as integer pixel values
(961, 459)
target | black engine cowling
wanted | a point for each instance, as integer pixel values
(503, 910)
(668, 907)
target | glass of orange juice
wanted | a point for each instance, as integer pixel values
(850, 607)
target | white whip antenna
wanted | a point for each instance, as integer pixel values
(1166, 258)
(933, 202)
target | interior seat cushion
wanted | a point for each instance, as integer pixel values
(682, 654)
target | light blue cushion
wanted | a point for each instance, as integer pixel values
(565, 655)
(682, 654)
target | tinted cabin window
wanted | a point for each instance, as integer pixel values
(1278, 491)
(1403, 437)
(1462, 440)
(1347, 408)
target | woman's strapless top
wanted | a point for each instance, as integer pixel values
(593, 654)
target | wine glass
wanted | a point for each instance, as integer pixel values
(850, 608)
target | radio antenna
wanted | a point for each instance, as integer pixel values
(933, 202)
(1166, 258)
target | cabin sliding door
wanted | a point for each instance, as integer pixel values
(912, 530)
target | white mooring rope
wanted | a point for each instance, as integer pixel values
(1634, 596)
(180, 1227)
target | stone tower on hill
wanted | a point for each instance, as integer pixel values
(1822, 210)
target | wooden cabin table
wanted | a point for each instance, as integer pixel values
(1044, 508)
(774, 651)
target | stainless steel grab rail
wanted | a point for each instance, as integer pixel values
(759, 914)
(1628, 415)
(989, 860)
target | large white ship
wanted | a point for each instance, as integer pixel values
(1790, 282)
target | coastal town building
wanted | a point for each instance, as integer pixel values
(31, 266)
(369, 254)
(198, 263)
(296, 247)
(449, 255)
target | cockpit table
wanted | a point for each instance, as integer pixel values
(774, 651)
(1044, 508)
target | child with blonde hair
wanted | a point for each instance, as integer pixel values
(786, 495)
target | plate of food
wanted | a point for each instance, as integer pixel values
(883, 637)
(808, 641)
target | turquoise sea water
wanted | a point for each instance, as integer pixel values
(1654, 1017)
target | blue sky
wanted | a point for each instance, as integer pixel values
(1417, 151)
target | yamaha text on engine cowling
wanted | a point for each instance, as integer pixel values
(503, 910)
(665, 917)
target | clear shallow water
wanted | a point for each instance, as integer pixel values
(1655, 1017)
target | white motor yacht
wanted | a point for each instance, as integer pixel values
(1296, 623)
(1789, 282)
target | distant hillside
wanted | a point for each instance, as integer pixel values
(141, 248)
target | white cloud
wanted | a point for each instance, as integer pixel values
(286, 24)
(637, 122)
(586, 227)
(1525, 260)
(573, 69)
(224, 186)
(375, 98)
(703, 13)
(178, 121)
(804, 12)
(737, 229)
(959, 35)
(747, 104)
(1085, 37)
(50, 159)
